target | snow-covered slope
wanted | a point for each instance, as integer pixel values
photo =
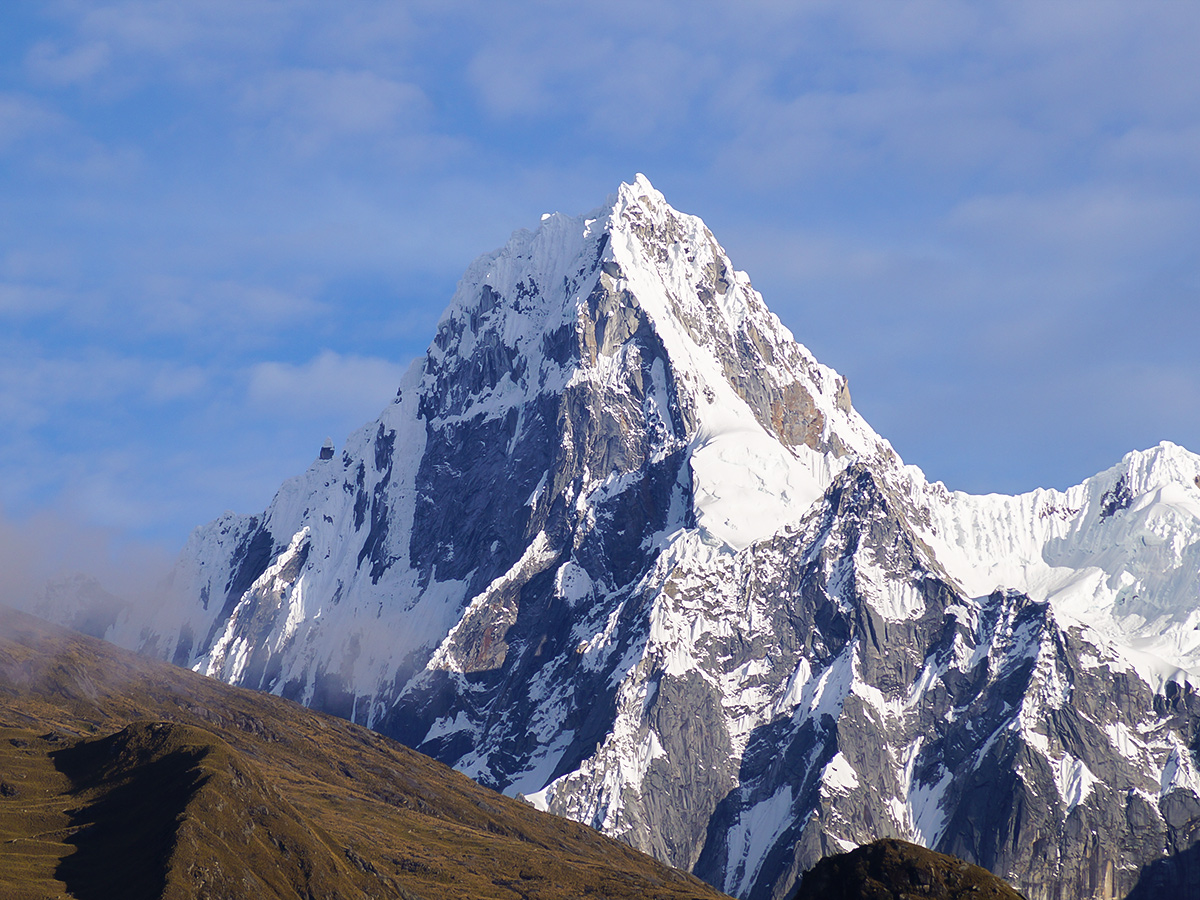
(1119, 552)
(620, 544)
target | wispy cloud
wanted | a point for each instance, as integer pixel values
(51, 64)
(983, 213)
(224, 310)
(37, 389)
(314, 109)
(329, 387)
(23, 117)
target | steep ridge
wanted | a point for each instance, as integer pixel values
(623, 546)
(125, 777)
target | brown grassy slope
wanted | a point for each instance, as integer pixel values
(33, 823)
(172, 811)
(121, 776)
(890, 869)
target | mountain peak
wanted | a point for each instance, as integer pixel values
(638, 192)
(640, 294)
(622, 545)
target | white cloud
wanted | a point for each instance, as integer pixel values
(315, 107)
(222, 310)
(351, 389)
(48, 63)
(1077, 242)
(36, 389)
(23, 117)
(935, 92)
(510, 81)
(175, 28)
(24, 301)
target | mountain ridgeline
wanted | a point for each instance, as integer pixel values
(622, 546)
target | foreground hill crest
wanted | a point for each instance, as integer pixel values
(623, 546)
(125, 777)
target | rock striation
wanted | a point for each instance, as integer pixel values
(622, 546)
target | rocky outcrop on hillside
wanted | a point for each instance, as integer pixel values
(892, 870)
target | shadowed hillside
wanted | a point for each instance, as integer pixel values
(891, 869)
(120, 776)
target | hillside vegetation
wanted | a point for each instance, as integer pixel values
(125, 777)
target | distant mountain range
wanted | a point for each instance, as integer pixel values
(622, 546)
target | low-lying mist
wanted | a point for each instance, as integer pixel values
(77, 574)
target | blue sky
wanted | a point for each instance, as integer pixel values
(226, 227)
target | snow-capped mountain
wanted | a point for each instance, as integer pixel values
(623, 546)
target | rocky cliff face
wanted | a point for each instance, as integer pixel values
(621, 545)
